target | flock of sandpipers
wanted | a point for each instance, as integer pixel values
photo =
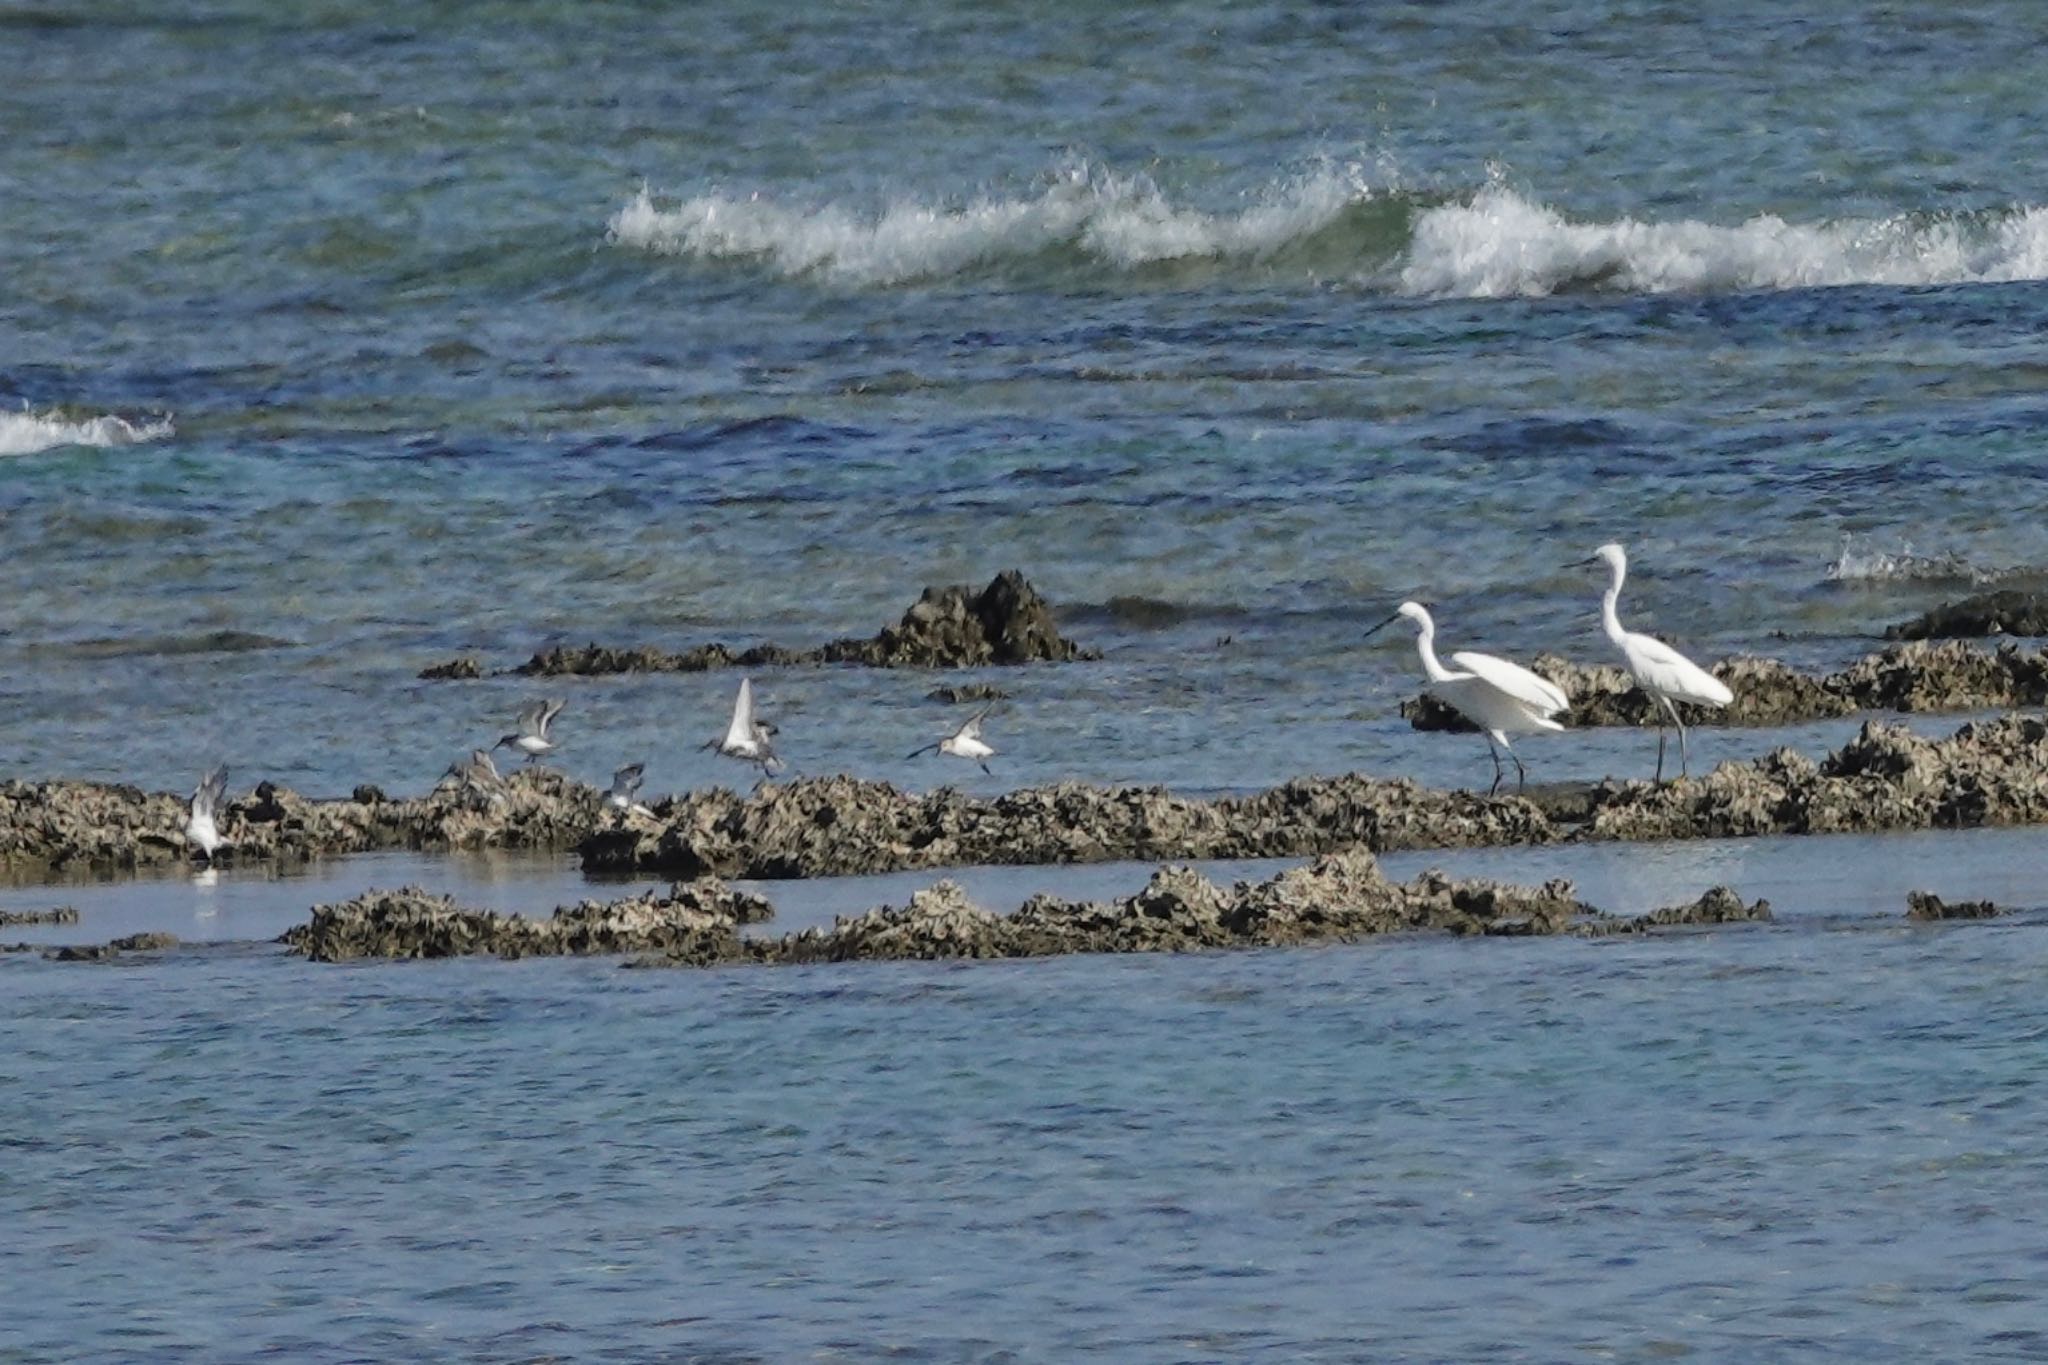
(1501, 698)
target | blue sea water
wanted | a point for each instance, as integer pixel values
(337, 339)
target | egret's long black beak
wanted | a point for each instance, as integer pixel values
(1588, 562)
(1381, 626)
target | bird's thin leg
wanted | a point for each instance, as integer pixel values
(1521, 773)
(1660, 748)
(1684, 768)
(1498, 772)
(984, 768)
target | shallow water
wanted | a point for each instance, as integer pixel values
(339, 340)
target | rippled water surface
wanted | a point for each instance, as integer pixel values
(339, 339)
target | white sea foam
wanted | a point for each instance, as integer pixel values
(1867, 564)
(26, 433)
(1118, 221)
(1498, 244)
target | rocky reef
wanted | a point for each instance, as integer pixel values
(105, 952)
(697, 921)
(1007, 622)
(1949, 675)
(2006, 611)
(836, 826)
(61, 825)
(63, 914)
(1339, 897)
(1925, 905)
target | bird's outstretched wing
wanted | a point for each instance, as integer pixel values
(626, 781)
(211, 791)
(548, 711)
(1539, 694)
(740, 732)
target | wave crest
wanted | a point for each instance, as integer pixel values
(1499, 244)
(28, 433)
(1123, 223)
(1329, 222)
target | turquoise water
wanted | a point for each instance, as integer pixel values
(336, 340)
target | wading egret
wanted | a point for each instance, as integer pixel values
(1661, 671)
(530, 737)
(1499, 697)
(965, 742)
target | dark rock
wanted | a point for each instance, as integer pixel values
(1925, 905)
(966, 692)
(1005, 623)
(144, 943)
(63, 914)
(1720, 905)
(2007, 611)
(837, 826)
(48, 826)
(696, 923)
(83, 952)
(1948, 675)
(368, 795)
(463, 668)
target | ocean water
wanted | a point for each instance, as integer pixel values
(338, 339)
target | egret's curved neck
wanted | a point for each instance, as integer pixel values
(1425, 645)
(1610, 620)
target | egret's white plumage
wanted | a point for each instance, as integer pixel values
(531, 735)
(625, 786)
(1499, 697)
(201, 831)
(747, 736)
(1661, 671)
(965, 742)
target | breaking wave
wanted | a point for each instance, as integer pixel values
(1867, 564)
(27, 433)
(1331, 223)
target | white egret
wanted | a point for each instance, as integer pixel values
(1499, 697)
(531, 736)
(965, 742)
(1664, 674)
(747, 737)
(200, 830)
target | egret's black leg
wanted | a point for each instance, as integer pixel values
(1684, 767)
(1498, 773)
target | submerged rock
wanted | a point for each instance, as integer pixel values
(2006, 611)
(102, 952)
(1005, 623)
(697, 922)
(1925, 905)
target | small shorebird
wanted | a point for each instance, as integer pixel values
(531, 738)
(200, 830)
(625, 786)
(747, 737)
(1661, 671)
(965, 742)
(477, 774)
(1499, 697)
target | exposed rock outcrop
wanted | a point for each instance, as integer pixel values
(1007, 622)
(1719, 905)
(696, 922)
(1948, 675)
(58, 825)
(836, 826)
(2006, 611)
(63, 914)
(1925, 905)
